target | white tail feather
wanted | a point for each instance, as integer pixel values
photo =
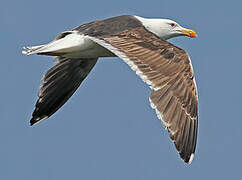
(70, 43)
(31, 49)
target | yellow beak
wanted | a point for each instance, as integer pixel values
(189, 32)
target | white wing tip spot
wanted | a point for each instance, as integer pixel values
(191, 158)
(38, 120)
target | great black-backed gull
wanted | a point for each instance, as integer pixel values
(141, 43)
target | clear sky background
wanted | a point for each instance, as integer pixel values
(107, 130)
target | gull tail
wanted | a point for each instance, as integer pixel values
(27, 50)
(66, 42)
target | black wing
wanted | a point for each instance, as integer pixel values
(58, 85)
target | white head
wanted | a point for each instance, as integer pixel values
(166, 28)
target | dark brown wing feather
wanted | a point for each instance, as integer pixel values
(59, 83)
(167, 69)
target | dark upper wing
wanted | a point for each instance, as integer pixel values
(58, 85)
(167, 69)
(109, 26)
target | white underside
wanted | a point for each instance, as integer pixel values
(73, 45)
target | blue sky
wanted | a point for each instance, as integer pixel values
(107, 130)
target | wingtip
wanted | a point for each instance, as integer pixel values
(37, 120)
(191, 158)
(32, 122)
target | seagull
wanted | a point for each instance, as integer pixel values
(141, 43)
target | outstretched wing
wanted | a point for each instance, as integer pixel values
(168, 71)
(58, 85)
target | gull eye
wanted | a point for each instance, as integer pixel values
(172, 24)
